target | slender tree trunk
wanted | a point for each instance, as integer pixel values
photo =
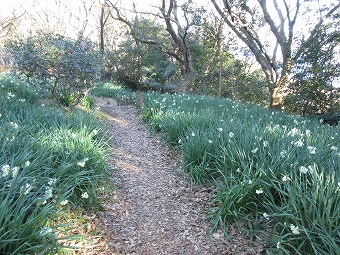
(102, 24)
(219, 94)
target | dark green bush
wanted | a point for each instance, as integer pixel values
(67, 67)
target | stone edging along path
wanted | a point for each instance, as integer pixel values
(154, 210)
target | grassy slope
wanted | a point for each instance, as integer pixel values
(276, 174)
(50, 162)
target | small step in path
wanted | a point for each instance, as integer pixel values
(154, 209)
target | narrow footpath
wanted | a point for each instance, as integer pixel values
(154, 210)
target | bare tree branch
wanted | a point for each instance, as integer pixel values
(87, 14)
(314, 31)
(244, 32)
(281, 38)
(7, 22)
(137, 37)
(177, 46)
(276, 76)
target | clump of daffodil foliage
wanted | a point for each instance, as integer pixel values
(50, 162)
(276, 176)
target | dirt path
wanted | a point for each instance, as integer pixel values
(154, 210)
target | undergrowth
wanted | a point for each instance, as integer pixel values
(276, 175)
(112, 90)
(51, 161)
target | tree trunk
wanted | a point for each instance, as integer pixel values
(102, 24)
(186, 82)
(276, 98)
(219, 93)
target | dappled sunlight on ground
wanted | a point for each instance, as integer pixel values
(127, 166)
(117, 120)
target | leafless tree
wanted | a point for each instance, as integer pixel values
(8, 23)
(245, 20)
(177, 45)
(68, 18)
(104, 16)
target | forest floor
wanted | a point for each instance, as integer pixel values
(154, 209)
